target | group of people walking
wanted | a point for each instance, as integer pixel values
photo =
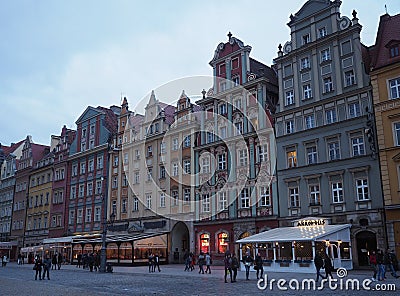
(381, 263)
(42, 267)
(154, 262)
(204, 259)
(89, 261)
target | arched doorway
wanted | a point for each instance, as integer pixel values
(246, 248)
(179, 242)
(366, 242)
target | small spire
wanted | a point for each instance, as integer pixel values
(280, 47)
(229, 36)
(354, 13)
(204, 93)
(183, 95)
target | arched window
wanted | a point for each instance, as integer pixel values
(205, 242)
(222, 242)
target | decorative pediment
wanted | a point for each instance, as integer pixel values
(308, 9)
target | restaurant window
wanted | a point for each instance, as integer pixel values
(303, 250)
(246, 248)
(222, 242)
(205, 242)
(284, 251)
(345, 250)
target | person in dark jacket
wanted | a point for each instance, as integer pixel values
(38, 267)
(228, 266)
(319, 263)
(54, 261)
(381, 265)
(46, 267)
(247, 261)
(389, 258)
(258, 265)
(59, 260)
(328, 266)
(156, 263)
(234, 266)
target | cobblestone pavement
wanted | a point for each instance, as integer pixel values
(172, 280)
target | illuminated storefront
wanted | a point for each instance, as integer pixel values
(293, 249)
(205, 243)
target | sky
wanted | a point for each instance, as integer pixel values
(58, 57)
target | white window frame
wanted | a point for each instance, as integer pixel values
(265, 196)
(242, 157)
(205, 201)
(394, 88)
(354, 109)
(330, 116)
(289, 126)
(289, 97)
(262, 153)
(245, 198)
(294, 198)
(162, 200)
(337, 192)
(222, 200)
(396, 133)
(222, 161)
(357, 145)
(309, 121)
(307, 92)
(333, 150)
(148, 201)
(325, 55)
(88, 216)
(186, 166)
(312, 154)
(362, 189)
(349, 78)
(314, 194)
(328, 84)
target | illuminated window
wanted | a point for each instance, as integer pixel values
(291, 158)
(205, 242)
(222, 242)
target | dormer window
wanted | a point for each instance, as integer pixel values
(306, 39)
(394, 51)
(235, 63)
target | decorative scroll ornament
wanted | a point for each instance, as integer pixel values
(287, 47)
(344, 22)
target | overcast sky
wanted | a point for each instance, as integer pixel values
(58, 57)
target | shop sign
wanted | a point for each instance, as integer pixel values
(311, 222)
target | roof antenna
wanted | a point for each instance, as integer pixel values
(386, 9)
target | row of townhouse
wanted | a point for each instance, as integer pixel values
(313, 135)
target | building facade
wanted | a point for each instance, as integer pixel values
(328, 165)
(385, 81)
(236, 195)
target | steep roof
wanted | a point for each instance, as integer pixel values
(388, 33)
(262, 70)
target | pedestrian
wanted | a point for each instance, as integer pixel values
(156, 260)
(258, 265)
(228, 266)
(328, 266)
(193, 263)
(38, 267)
(85, 261)
(150, 262)
(46, 267)
(234, 267)
(59, 260)
(374, 265)
(54, 261)
(23, 258)
(19, 259)
(5, 260)
(96, 261)
(188, 261)
(91, 262)
(201, 262)
(381, 265)
(247, 261)
(389, 259)
(208, 262)
(319, 263)
(79, 257)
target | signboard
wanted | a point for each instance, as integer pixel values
(311, 222)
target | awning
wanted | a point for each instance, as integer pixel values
(117, 238)
(8, 245)
(55, 240)
(301, 233)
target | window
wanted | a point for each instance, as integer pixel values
(115, 182)
(221, 162)
(149, 151)
(91, 144)
(148, 201)
(91, 166)
(289, 126)
(305, 63)
(262, 153)
(124, 180)
(175, 169)
(210, 137)
(291, 157)
(236, 80)
(238, 128)
(287, 70)
(223, 242)
(238, 103)
(149, 174)
(310, 121)
(162, 200)
(354, 109)
(83, 168)
(205, 165)
(175, 144)
(330, 116)
(242, 156)
(357, 144)
(162, 147)
(79, 216)
(222, 86)
(135, 204)
(186, 195)
(98, 186)
(322, 32)
(349, 78)
(307, 92)
(362, 189)
(306, 39)
(337, 192)
(394, 86)
(73, 192)
(325, 55)
(92, 129)
(126, 158)
(314, 195)
(334, 150)
(394, 51)
(83, 146)
(99, 162)
(328, 85)
(396, 129)
(186, 142)
(311, 154)
(88, 215)
(162, 172)
(294, 197)
(222, 201)
(244, 198)
(84, 133)
(157, 127)
(137, 154)
(97, 214)
(206, 203)
(186, 166)
(346, 47)
(71, 217)
(265, 196)
(222, 109)
(90, 189)
(81, 190)
(137, 177)
(289, 97)
(124, 203)
(222, 132)
(175, 197)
